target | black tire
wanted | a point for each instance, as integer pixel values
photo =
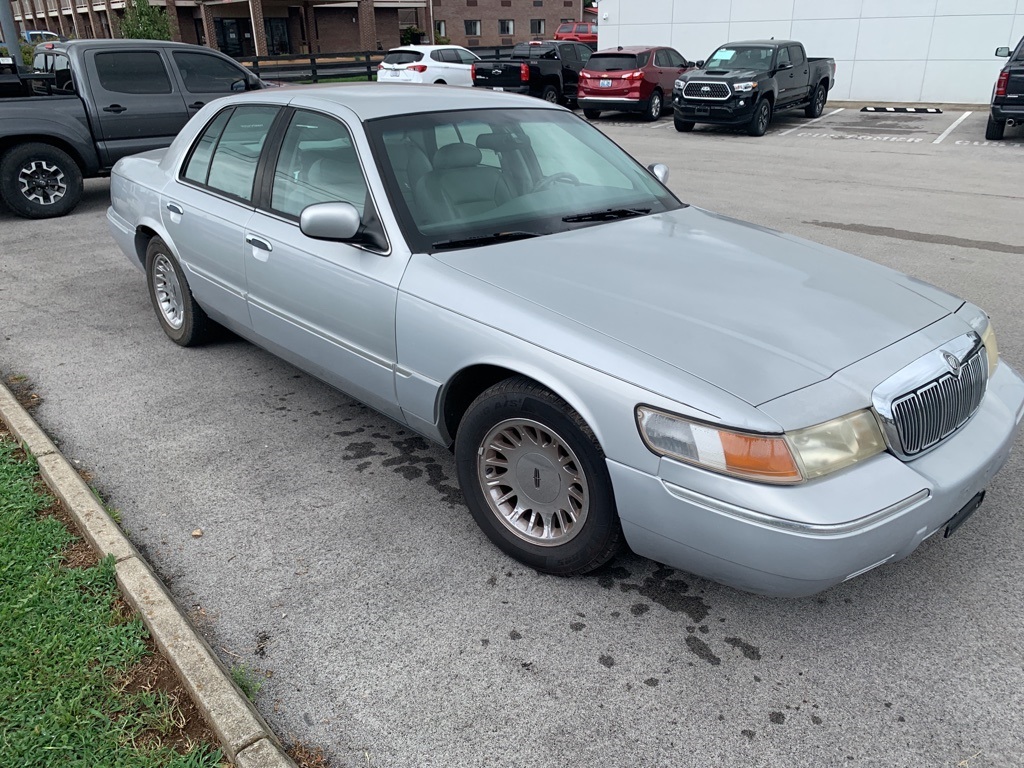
(683, 126)
(994, 129)
(655, 106)
(594, 535)
(591, 114)
(818, 98)
(193, 327)
(550, 95)
(761, 118)
(40, 181)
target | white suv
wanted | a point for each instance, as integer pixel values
(444, 64)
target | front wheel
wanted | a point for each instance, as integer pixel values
(40, 181)
(683, 126)
(550, 94)
(654, 107)
(182, 319)
(995, 128)
(760, 119)
(817, 105)
(535, 480)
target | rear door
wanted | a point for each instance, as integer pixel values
(571, 67)
(204, 77)
(138, 105)
(677, 65)
(801, 73)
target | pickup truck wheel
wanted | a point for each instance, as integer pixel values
(182, 319)
(40, 181)
(761, 118)
(683, 126)
(591, 114)
(535, 479)
(550, 94)
(817, 105)
(654, 107)
(994, 129)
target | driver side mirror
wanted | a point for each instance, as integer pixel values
(783, 67)
(330, 221)
(659, 171)
(1003, 52)
(699, 64)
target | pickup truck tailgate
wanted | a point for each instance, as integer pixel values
(501, 74)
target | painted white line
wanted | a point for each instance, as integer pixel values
(798, 127)
(951, 128)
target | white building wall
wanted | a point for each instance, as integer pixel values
(918, 51)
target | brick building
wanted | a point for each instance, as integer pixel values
(501, 22)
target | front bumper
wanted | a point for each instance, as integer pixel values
(612, 104)
(734, 111)
(760, 538)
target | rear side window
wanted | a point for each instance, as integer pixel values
(237, 153)
(796, 55)
(202, 73)
(403, 57)
(661, 58)
(612, 62)
(568, 52)
(198, 167)
(136, 72)
(564, 29)
(466, 57)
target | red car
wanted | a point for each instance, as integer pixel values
(580, 31)
(630, 79)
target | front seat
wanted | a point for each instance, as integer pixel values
(459, 187)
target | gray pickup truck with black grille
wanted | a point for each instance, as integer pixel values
(744, 84)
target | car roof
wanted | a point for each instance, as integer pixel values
(423, 48)
(761, 42)
(372, 100)
(68, 45)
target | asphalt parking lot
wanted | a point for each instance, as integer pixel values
(337, 557)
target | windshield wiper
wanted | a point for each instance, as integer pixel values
(497, 237)
(608, 214)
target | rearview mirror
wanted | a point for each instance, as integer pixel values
(1003, 52)
(329, 221)
(659, 171)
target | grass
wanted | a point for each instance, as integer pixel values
(65, 651)
(247, 679)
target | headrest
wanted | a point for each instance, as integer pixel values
(457, 156)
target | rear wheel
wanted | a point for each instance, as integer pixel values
(683, 126)
(994, 129)
(550, 94)
(40, 181)
(535, 479)
(182, 319)
(654, 107)
(760, 119)
(591, 114)
(817, 105)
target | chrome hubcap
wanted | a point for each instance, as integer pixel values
(533, 482)
(42, 182)
(168, 291)
(656, 105)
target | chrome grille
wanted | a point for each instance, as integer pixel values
(929, 414)
(701, 90)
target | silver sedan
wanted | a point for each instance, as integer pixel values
(609, 364)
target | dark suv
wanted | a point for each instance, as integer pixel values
(634, 79)
(1008, 94)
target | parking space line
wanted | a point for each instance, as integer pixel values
(795, 127)
(951, 128)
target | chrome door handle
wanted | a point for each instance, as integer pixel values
(175, 208)
(255, 242)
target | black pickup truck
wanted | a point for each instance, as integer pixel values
(743, 84)
(89, 103)
(548, 69)
(1008, 94)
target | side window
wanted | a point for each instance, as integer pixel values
(197, 168)
(584, 52)
(783, 57)
(233, 167)
(318, 164)
(675, 58)
(436, 55)
(137, 72)
(202, 73)
(567, 52)
(661, 58)
(451, 56)
(466, 57)
(642, 59)
(796, 55)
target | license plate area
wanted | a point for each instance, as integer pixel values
(605, 83)
(961, 517)
(703, 110)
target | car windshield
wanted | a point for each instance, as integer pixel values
(456, 176)
(613, 62)
(754, 57)
(402, 57)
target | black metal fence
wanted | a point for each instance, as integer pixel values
(328, 67)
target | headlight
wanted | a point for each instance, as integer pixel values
(744, 87)
(782, 459)
(679, 85)
(988, 338)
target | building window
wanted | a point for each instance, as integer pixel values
(440, 29)
(473, 28)
(538, 3)
(536, 26)
(506, 27)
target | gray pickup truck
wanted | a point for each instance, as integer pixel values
(89, 103)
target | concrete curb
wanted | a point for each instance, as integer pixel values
(244, 736)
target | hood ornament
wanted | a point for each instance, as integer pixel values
(952, 362)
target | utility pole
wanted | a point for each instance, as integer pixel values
(9, 31)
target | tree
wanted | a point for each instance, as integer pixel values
(141, 21)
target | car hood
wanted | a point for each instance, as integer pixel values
(724, 74)
(753, 312)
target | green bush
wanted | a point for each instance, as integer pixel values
(142, 21)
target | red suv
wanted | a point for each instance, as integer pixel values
(630, 79)
(580, 31)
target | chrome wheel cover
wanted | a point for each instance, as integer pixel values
(167, 290)
(533, 482)
(42, 182)
(655, 105)
(551, 96)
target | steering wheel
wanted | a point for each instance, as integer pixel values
(555, 178)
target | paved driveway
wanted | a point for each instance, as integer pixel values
(337, 556)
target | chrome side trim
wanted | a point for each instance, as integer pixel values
(794, 526)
